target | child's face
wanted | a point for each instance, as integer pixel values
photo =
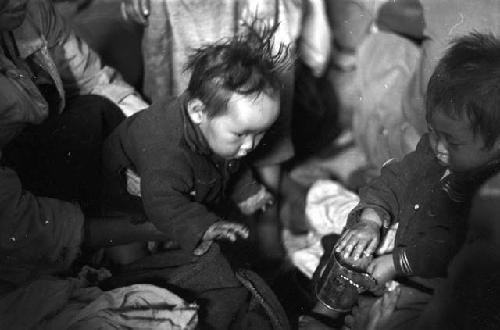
(455, 144)
(237, 131)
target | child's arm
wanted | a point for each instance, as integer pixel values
(167, 189)
(249, 194)
(386, 194)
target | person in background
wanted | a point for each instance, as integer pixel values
(57, 103)
(187, 153)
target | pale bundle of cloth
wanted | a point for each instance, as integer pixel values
(54, 303)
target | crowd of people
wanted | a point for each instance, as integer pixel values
(170, 202)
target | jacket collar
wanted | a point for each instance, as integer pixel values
(194, 137)
(192, 133)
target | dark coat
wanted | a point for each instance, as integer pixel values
(184, 186)
(431, 206)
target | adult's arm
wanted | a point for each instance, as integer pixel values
(80, 68)
(117, 230)
(36, 230)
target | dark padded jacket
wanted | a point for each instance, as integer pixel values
(431, 206)
(184, 186)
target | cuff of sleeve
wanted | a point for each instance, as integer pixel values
(131, 104)
(401, 262)
(256, 202)
(191, 240)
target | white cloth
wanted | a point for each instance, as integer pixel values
(53, 303)
(327, 206)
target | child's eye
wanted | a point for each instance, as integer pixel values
(240, 135)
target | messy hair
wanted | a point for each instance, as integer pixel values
(466, 84)
(247, 64)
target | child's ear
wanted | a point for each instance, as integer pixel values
(196, 110)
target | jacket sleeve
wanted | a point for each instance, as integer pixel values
(166, 188)
(35, 231)
(436, 241)
(386, 193)
(80, 68)
(248, 193)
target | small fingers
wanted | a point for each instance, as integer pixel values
(348, 249)
(231, 231)
(243, 232)
(342, 242)
(358, 251)
(133, 183)
(230, 236)
(132, 176)
(371, 268)
(203, 247)
(145, 8)
(124, 11)
(137, 13)
(371, 247)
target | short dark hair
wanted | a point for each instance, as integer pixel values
(245, 64)
(466, 83)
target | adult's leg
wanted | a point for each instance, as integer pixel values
(61, 157)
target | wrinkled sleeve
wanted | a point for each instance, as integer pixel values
(35, 230)
(385, 193)
(166, 184)
(80, 68)
(437, 242)
(431, 254)
(245, 187)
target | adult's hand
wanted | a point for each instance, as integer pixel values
(136, 10)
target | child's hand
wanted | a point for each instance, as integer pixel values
(221, 230)
(382, 269)
(133, 183)
(361, 239)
